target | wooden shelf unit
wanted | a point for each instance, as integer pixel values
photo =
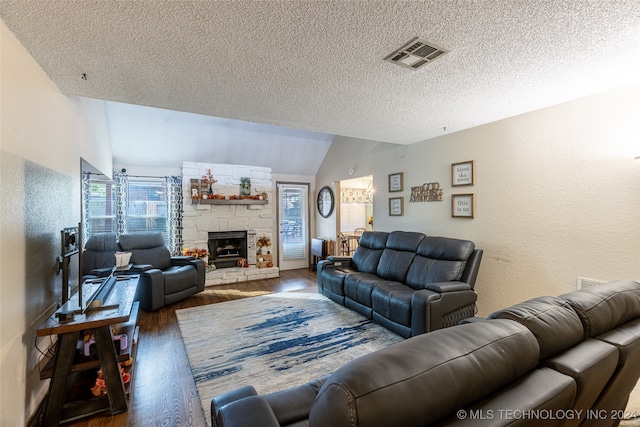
(73, 375)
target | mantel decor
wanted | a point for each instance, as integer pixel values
(396, 182)
(463, 173)
(202, 193)
(396, 206)
(463, 205)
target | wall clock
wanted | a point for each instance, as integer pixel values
(325, 202)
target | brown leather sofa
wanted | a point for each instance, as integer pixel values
(550, 361)
(407, 282)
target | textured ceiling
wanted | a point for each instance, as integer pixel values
(318, 65)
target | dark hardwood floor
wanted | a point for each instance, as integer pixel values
(164, 392)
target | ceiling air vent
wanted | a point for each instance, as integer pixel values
(416, 54)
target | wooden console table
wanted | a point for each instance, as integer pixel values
(69, 394)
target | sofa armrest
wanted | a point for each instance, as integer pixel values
(201, 271)
(231, 396)
(428, 308)
(448, 286)
(151, 289)
(181, 259)
(101, 272)
(140, 268)
(339, 258)
(250, 411)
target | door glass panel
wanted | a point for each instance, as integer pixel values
(293, 223)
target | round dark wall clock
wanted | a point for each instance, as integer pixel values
(325, 202)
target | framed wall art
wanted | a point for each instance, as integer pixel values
(463, 173)
(463, 205)
(396, 206)
(396, 182)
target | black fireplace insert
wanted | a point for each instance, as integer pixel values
(227, 247)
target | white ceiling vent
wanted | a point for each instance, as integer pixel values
(416, 54)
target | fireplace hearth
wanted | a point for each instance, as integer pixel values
(227, 247)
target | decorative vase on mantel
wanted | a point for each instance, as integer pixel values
(210, 190)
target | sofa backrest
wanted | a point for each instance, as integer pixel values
(603, 307)
(99, 252)
(438, 259)
(423, 379)
(368, 253)
(554, 323)
(398, 254)
(146, 248)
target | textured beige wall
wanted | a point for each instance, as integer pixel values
(43, 135)
(558, 194)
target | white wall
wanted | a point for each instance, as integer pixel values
(43, 136)
(558, 194)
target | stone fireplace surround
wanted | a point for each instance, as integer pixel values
(200, 219)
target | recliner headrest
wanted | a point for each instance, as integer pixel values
(103, 242)
(374, 239)
(554, 323)
(404, 240)
(445, 248)
(140, 240)
(606, 306)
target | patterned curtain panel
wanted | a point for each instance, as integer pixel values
(122, 201)
(174, 217)
(86, 177)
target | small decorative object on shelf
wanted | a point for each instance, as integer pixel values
(263, 242)
(245, 186)
(209, 180)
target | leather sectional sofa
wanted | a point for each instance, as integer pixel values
(408, 282)
(550, 361)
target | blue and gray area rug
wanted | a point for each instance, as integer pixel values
(273, 342)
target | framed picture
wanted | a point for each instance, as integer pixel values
(396, 182)
(245, 186)
(396, 206)
(463, 205)
(463, 173)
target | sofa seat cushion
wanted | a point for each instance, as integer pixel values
(358, 287)
(179, 278)
(392, 300)
(423, 379)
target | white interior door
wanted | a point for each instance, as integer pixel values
(293, 221)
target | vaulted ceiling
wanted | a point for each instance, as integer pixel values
(318, 66)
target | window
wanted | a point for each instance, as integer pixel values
(147, 208)
(100, 206)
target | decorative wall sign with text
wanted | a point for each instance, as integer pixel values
(463, 205)
(463, 173)
(396, 182)
(396, 206)
(427, 192)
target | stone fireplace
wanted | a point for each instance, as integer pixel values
(202, 217)
(226, 248)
